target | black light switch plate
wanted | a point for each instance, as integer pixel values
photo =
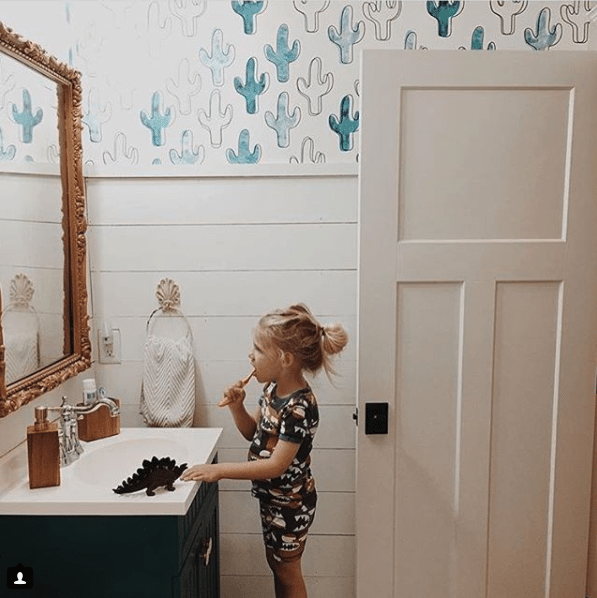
(376, 418)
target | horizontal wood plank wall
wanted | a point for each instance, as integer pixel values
(238, 247)
(31, 243)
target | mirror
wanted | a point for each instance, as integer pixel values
(44, 329)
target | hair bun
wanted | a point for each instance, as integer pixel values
(334, 338)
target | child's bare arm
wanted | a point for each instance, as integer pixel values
(262, 469)
(245, 422)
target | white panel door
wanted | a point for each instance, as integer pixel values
(477, 322)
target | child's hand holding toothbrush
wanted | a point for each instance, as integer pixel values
(236, 393)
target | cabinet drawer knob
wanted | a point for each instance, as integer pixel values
(206, 552)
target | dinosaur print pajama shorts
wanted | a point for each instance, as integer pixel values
(285, 528)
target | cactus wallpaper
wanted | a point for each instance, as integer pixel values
(196, 83)
(28, 121)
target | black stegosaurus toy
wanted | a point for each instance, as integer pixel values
(153, 474)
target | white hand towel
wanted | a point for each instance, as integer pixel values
(22, 354)
(168, 388)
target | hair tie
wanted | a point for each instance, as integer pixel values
(322, 331)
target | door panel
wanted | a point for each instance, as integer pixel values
(522, 436)
(429, 321)
(501, 183)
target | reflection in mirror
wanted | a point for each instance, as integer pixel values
(30, 220)
(27, 349)
(44, 323)
(20, 325)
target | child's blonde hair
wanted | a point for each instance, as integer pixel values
(295, 330)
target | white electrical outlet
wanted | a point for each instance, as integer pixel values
(109, 346)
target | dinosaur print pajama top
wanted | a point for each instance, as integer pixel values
(287, 503)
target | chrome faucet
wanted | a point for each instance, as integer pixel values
(70, 446)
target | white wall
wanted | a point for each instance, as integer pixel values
(32, 244)
(238, 246)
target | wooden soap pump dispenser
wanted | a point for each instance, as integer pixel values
(43, 451)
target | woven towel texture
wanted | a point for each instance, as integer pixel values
(168, 388)
(22, 354)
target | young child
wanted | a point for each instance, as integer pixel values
(286, 344)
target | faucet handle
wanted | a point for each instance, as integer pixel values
(63, 404)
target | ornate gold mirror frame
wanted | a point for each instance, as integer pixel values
(77, 345)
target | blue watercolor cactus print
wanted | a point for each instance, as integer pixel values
(248, 10)
(96, 116)
(244, 155)
(188, 153)
(251, 89)
(347, 36)
(544, 36)
(222, 56)
(283, 121)
(410, 40)
(283, 55)
(158, 121)
(346, 126)
(444, 11)
(26, 118)
(281, 70)
(478, 40)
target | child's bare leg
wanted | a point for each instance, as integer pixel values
(288, 578)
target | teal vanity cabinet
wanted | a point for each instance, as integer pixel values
(200, 575)
(120, 556)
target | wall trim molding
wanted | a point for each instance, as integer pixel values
(33, 168)
(166, 171)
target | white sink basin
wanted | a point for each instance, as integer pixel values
(109, 465)
(86, 486)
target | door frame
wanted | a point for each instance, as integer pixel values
(591, 590)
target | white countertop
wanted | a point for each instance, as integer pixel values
(86, 486)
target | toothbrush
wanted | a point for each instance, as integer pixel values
(226, 401)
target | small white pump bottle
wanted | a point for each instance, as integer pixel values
(89, 391)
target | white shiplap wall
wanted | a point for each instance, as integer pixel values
(31, 243)
(239, 243)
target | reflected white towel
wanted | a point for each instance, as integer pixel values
(22, 354)
(168, 388)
